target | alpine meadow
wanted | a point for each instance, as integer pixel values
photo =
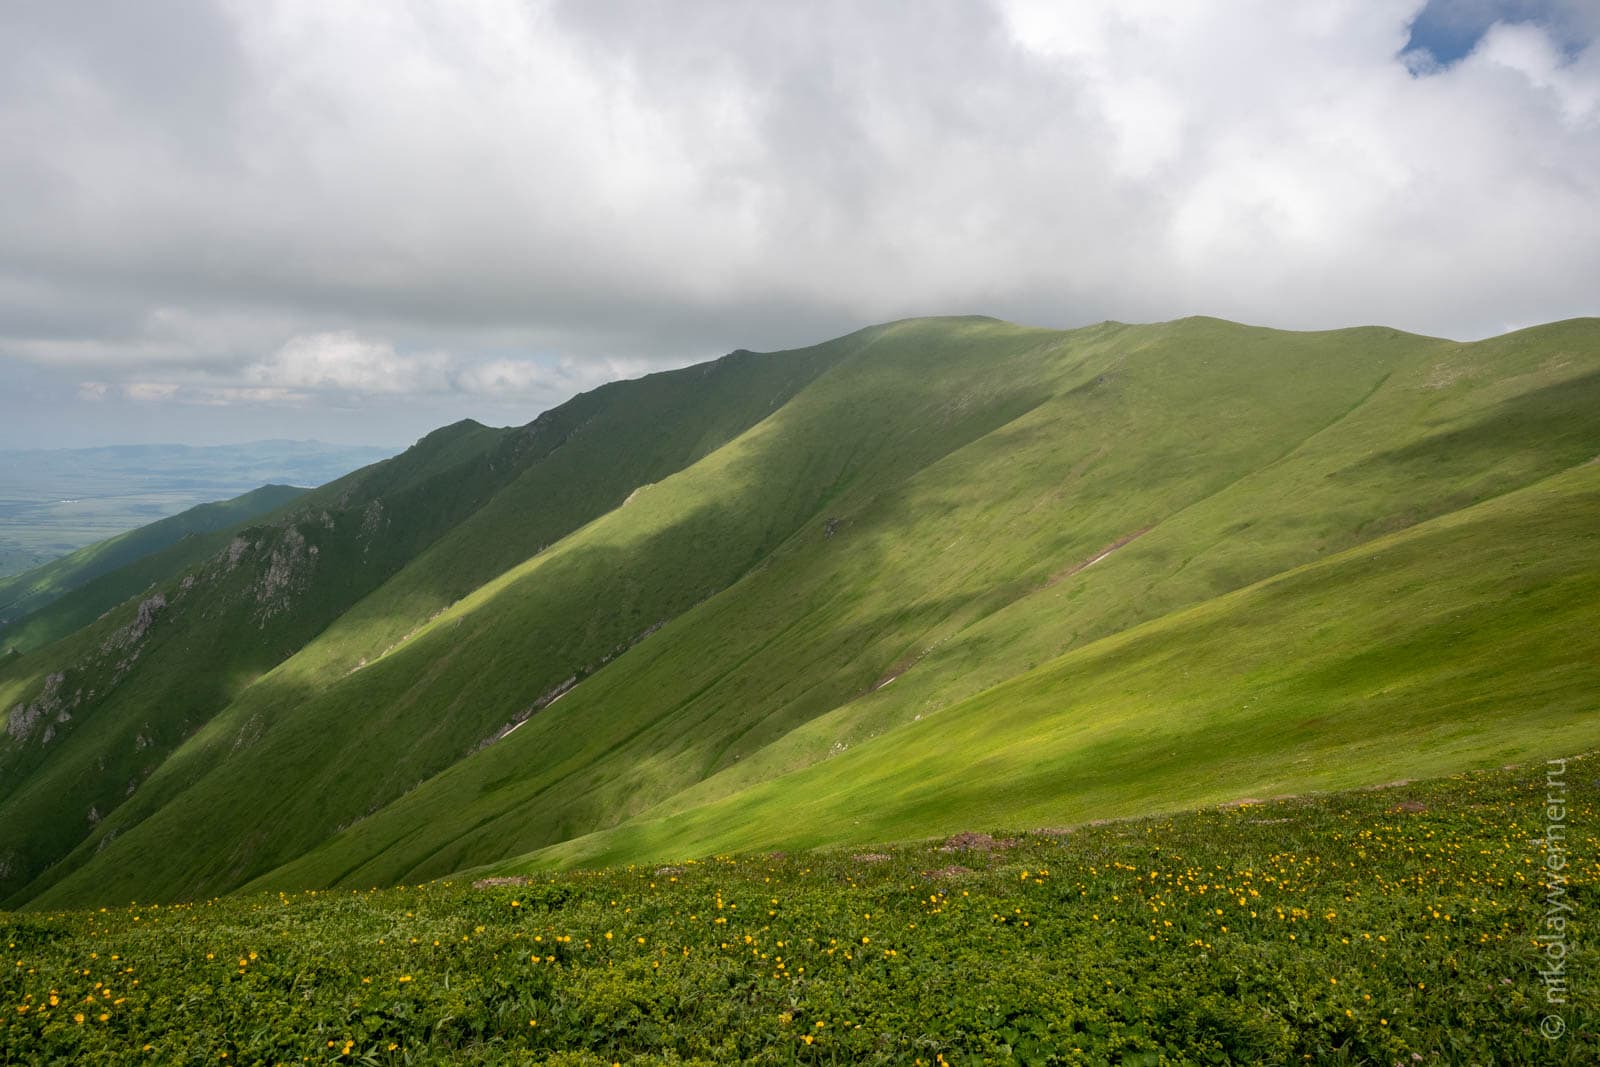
(940, 579)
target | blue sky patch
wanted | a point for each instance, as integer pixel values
(1447, 30)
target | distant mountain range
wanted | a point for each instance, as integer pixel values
(934, 574)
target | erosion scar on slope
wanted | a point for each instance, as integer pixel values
(1102, 554)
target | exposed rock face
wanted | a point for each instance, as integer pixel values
(560, 689)
(52, 708)
(952, 871)
(145, 616)
(249, 733)
(20, 723)
(495, 883)
(288, 574)
(26, 718)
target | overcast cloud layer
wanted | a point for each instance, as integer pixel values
(357, 221)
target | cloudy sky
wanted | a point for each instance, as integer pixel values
(355, 221)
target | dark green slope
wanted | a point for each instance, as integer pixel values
(51, 601)
(211, 633)
(94, 714)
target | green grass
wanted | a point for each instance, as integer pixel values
(110, 702)
(1385, 926)
(718, 570)
(1462, 642)
(370, 555)
(759, 677)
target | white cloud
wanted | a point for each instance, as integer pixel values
(344, 367)
(229, 395)
(1531, 53)
(448, 200)
(504, 376)
(190, 393)
(146, 392)
(347, 362)
(536, 378)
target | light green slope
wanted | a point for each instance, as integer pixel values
(1461, 424)
(1467, 642)
(49, 602)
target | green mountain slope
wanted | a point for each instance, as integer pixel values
(704, 605)
(571, 609)
(84, 584)
(1461, 643)
(94, 714)
(94, 717)
(955, 581)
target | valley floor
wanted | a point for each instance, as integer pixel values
(1396, 925)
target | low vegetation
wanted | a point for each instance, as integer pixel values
(1404, 925)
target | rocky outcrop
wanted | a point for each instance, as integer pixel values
(287, 575)
(48, 708)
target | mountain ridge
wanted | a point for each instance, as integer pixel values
(940, 504)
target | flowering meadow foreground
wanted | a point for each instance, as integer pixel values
(1400, 925)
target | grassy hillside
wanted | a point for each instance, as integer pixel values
(91, 716)
(571, 609)
(799, 597)
(1384, 926)
(912, 586)
(1464, 642)
(141, 683)
(103, 575)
